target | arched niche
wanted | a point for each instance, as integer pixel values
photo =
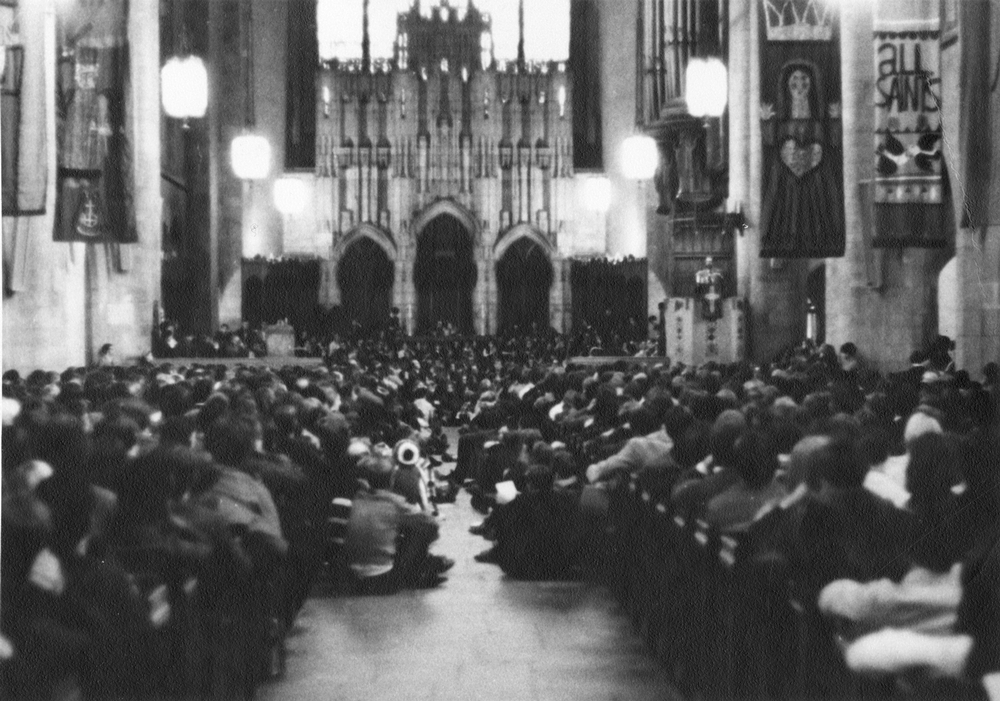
(518, 232)
(380, 236)
(524, 276)
(365, 275)
(451, 208)
(444, 273)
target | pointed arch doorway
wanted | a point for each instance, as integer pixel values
(365, 276)
(524, 278)
(444, 275)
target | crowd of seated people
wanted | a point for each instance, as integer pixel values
(169, 341)
(162, 526)
(612, 337)
(151, 512)
(879, 495)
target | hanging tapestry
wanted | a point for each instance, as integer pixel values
(909, 181)
(94, 199)
(22, 107)
(802, 212)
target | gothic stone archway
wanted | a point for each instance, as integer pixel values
(444, 275)
(365, 276)
(524, 278)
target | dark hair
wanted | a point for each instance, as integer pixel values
(230, 439)
(849, 349)
(176, 399)
(785, 434)
(839, 464)
(932, 471)
(692, 446)
(756, 460)
(117, 433)
(723, 440)
(177, 430)
(676, 420)
(643, 421)
(539, 478)
(60, 441)
(876, 445)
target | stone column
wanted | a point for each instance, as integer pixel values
(775, 289)
(124, 281)
(408, 290)
(742, 107)
(900, 315)
(556, 296)
(490, 292)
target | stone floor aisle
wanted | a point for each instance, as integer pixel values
(480, 636)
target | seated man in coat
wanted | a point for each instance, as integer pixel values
(387, 538)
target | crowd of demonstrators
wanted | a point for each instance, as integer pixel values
(879, 495)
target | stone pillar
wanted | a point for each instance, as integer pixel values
(742, 108)
(408, 290)
(845, 277)
(556, 314)
(775, 289)
(124, 281)
(480, 311)
(617, 35)
(490, 292)
(975, 180)
(899, 316)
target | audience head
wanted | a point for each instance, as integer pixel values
(230, 439)
(726, 431)
(756, 460)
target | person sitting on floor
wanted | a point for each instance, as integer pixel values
(387, 540)
(533, 532)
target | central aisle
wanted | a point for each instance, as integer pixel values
(480, 636)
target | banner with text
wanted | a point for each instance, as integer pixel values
(909, 185)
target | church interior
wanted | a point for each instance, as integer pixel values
(689, 308)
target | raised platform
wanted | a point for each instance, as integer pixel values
(599, 360)
(276, 361)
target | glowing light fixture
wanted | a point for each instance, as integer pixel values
(250, 155)
(546, 30)
(486, 50)
(597, 194)
(290, 194)
(184, 87)
(640, 157)
(383, 26)
(340, 29)
(706, 88)
(505, 26)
